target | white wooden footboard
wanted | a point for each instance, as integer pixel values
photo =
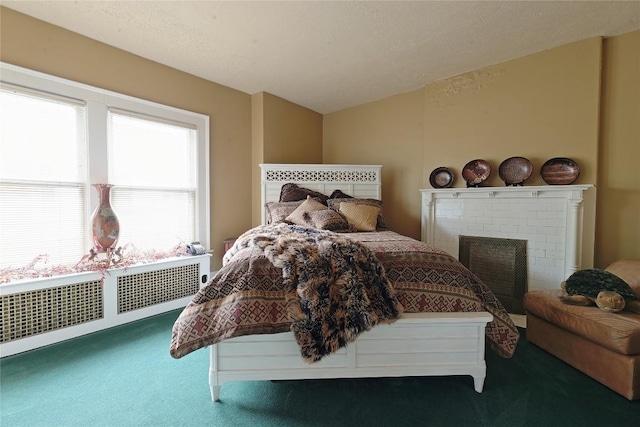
(418, 344)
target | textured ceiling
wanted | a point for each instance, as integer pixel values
(328, 56)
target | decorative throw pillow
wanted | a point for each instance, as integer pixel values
(328, 219)
(309, 205)
(380, 223)
(338, 194)
(629, 271)
(292, 192)
(279, 211)
(362, 216)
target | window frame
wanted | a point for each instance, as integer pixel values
(97, 103)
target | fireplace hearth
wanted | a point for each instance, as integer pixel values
(556, 221)
(499, 263)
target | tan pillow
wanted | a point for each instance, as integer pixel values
(335, 203)
(363, 217)
(629, 271)
(309, 205)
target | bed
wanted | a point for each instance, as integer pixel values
(419, 312)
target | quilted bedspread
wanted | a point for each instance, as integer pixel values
(282, 278)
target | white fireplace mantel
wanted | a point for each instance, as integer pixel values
(558, 222)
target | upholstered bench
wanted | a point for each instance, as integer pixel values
(605, 346)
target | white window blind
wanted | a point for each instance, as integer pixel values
(153, 167)
(42, 177)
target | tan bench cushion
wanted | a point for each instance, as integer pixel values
(619, 332)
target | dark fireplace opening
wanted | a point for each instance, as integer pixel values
(499, 263)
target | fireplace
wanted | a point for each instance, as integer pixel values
(501, 264)
(556, 221)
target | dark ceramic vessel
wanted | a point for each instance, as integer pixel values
(441, 178)
(515, 170)
(560, 171)
(476, 172)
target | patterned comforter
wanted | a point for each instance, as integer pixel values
(271, 278)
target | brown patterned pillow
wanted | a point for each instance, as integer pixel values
(292, 192)
(279, 211)
(380, 224)
(338, 194)
(309, 205)
(329, 219)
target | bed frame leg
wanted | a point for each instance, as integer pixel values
(215, 393)
(478, 384)
(214, 384)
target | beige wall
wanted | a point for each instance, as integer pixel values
(292, 134)
(34, 44)
(283, 132)
(540, 106)
(389, 133)
(618, 219)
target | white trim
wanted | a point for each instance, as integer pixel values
(111, 317)
(137, 115)
(20, 76)
(40, 94)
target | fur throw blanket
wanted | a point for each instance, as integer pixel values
(335, 287)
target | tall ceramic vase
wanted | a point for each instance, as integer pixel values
(104, 222)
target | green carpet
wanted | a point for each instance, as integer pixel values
(125, 377)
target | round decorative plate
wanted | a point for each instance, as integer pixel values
(560, 171)
(441, 178)
(476, 172)
(515, 170)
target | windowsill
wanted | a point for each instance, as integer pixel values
(27, 284)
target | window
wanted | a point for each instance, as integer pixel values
(42, 177)
(164, 188)
(59, 137)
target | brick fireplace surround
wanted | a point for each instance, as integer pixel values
(558, 223)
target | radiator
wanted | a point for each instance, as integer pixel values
(45, 311)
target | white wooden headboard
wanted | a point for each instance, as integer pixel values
(361, 181)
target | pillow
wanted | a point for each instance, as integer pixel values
(309, 205)
(362, 216)
(292, 192)
(338, 194)
(335, 203)
(629, 271)
(279, 211)
(328, 219)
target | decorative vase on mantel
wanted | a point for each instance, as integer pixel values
(104, 222)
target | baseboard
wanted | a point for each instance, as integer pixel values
(519, 319)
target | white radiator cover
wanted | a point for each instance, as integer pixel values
(558, 223)
(40, 312)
